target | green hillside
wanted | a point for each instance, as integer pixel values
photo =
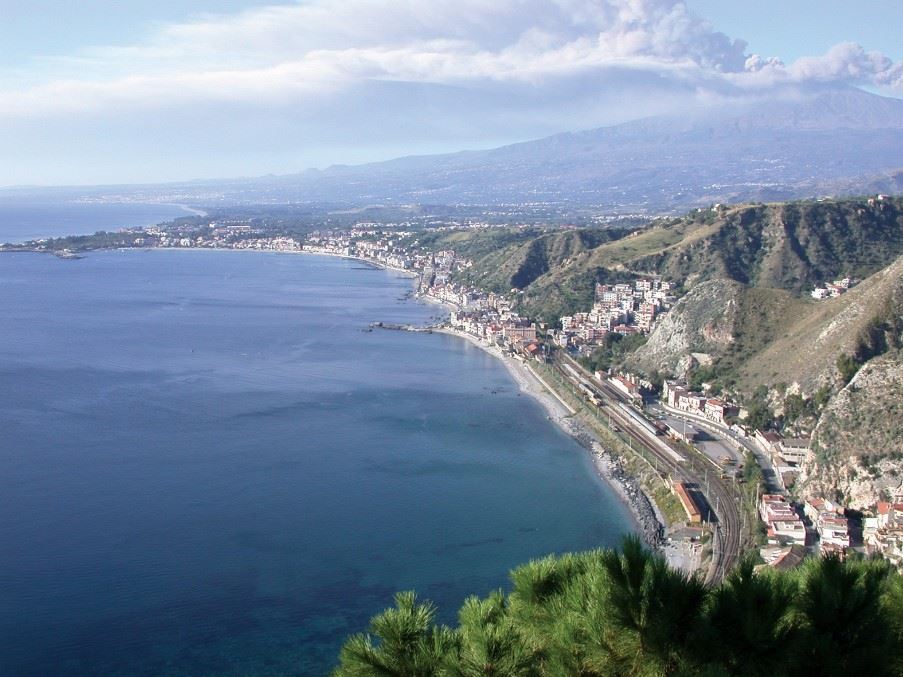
(790, 246)
(786, 246)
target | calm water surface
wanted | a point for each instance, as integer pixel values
(208, 467)
(23, 219)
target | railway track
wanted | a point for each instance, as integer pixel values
(722, 498)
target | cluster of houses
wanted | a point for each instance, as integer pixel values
(498, 325)
(883, 533)
(486, 316)
(787, 532)
(882, 528)
(217, 236)
(620, 308)
(392, 249)
(830, 524)
(786, 453)
(832, 289)
(386, 249)
(679, 396)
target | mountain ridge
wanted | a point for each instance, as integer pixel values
(831, 141)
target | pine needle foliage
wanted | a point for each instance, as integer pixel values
(609, 613)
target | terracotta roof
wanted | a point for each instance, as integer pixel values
(792, 559)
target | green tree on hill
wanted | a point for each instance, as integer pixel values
(626, 612)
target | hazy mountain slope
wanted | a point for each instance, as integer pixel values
(775, 151)
(828, 142)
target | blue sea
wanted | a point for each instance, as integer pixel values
(23, 219)
(208, 466)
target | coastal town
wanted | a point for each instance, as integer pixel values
(437, 338)
(790, 527)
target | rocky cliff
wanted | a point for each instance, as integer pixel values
(857, 448)
(700, 328)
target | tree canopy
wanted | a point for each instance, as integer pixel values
(627, 612)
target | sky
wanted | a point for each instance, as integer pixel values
(104, 91)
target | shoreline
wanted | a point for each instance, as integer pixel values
(14, 249)
(609, 470)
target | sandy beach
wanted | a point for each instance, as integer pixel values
(607, 466)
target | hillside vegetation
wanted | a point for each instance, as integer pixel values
(790, 247)
(764, 336)
(745, 321)
(628, 613)
(858, 443)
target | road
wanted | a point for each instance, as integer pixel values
(769, 473)
(722, 498)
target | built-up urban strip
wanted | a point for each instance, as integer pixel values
(623, 309)
(633, 309)
(791, 530)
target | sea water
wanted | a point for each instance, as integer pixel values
(23, 219)
(208, 465)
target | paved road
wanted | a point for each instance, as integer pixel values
(769, 474)
(722, 497)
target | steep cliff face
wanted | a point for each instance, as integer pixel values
(857, 447)
(702, 322)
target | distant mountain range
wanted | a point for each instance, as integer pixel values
(835, 142)
(832, 142)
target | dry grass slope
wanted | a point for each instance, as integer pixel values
(812, 334)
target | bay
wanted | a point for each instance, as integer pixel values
(23, 219)
(207, 466)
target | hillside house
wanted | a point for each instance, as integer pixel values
(784, 525)
(793, 450)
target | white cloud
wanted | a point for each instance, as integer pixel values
(322, 44)
(300, 50)
(849, 62)
(456, 71)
